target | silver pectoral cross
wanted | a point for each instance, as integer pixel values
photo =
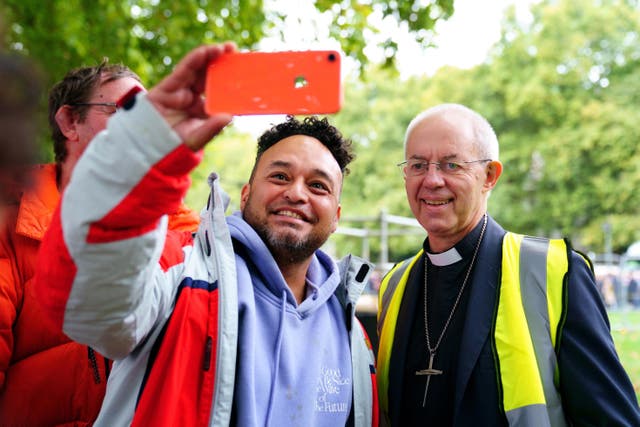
(428, 372)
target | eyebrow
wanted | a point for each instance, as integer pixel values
(443, 158)
(287, 165)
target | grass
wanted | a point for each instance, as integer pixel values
(625, 328)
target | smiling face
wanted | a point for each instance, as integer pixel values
(292, 200)
(448, 206)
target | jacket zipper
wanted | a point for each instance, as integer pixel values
(94, 365)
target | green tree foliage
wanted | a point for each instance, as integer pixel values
(231, 155)
(150, 35)
(561, 96)
(350, 22)
(147, 35)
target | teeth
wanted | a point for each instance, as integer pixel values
(434, 203)
(290, 214)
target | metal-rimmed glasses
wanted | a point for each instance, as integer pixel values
(110, 107)
(419, 167)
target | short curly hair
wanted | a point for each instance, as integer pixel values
(341, 148)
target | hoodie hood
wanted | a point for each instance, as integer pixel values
(323, 275)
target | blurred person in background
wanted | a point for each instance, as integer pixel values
(20, 93)
(633, 289)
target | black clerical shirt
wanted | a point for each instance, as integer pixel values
(444, 283)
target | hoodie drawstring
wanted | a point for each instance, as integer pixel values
(277, 350)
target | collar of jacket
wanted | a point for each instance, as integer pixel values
(38, 203)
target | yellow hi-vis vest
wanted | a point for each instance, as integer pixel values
(525, 331)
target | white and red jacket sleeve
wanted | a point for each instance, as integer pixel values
(98, 276)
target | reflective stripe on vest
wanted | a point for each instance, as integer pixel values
(529, 312)
(530, 309)
(389, 300)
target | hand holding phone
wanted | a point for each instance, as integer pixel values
(286, 82)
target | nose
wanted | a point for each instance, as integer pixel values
(296, 192)
(433, 176)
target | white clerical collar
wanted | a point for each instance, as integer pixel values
(445, 258)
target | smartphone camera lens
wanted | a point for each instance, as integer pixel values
(331, 57)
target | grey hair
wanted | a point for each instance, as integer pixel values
(485, 141)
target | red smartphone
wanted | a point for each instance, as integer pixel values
(285, 82)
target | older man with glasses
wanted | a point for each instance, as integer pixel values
(45, 379)
(484, 327)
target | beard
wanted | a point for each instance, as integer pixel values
(288, 246)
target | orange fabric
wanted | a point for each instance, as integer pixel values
(45, 380)
(185, 219)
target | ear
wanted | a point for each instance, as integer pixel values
(334, 226)
(244, 195)
(494, 170)
(66, 120)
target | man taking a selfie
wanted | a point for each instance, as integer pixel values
(246, 322)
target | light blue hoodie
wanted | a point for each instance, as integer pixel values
(294, 361)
